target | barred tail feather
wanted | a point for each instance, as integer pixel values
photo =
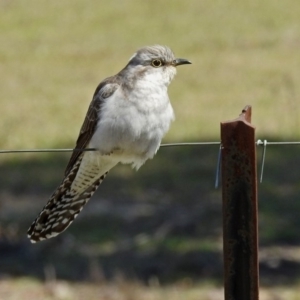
(68, 199)
(59, 214)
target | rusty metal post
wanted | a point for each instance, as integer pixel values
(239, 193)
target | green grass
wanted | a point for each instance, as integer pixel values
(53, 54)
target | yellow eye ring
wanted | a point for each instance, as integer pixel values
(156, 63)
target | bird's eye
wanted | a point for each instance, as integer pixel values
(156, 63)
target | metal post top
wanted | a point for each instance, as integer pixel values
(246, 113)
(245, 117)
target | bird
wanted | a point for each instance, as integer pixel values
(128, 116)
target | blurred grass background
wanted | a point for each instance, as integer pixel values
(161, 225)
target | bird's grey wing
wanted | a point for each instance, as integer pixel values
(103, 91)
(82, 178)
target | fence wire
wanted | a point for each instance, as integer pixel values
(259, 142)
(263, 143)
(94, 149)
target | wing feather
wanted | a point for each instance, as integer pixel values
(104, 90)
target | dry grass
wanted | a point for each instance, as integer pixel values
(28, 289)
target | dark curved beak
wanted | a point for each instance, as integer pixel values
(181, 61)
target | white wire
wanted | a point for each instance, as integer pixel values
(265, 142)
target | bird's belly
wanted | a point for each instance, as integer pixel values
(133, 136)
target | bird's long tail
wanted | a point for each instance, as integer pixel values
(69, 198)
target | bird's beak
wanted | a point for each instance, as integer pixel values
(181, 61)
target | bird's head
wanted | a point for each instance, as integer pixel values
(155, 63)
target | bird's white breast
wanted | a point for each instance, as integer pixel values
(131, 125)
